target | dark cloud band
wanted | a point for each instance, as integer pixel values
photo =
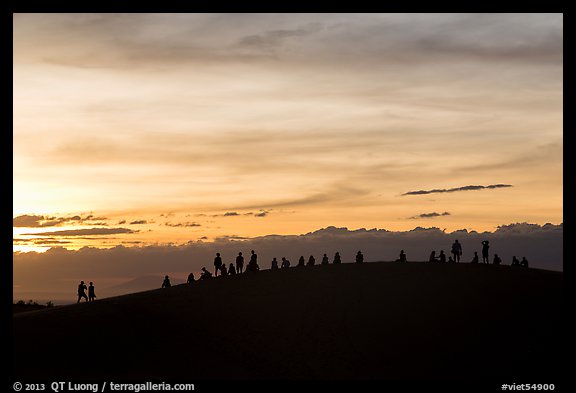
(465, 188)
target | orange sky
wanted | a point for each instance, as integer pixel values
(149, 128)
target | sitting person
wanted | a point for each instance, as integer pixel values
(190, 278)
(515, 261)
(450, 260)
(166, 283)
(442, 257)
(402, 257)
(231, 269)
(475, 259)
(285, 263)
(497, 260)
(325, 260)
(524, 262)
(274, 264)
(337, 259)
(433, 257)
(205, 274)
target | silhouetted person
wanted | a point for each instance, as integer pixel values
(475, 259)
(82, 291)
(166, 283)
(205, 274)
(456, 250)
(311, 261)
(239, 263)
(301, 261)
(217, 264)
(497, 260)
(274, 264)
(190, 278)
(485, 247)
(442, 256)
(253, 257)
(223, 270)
(450, 260)
(325, 260)
(515, 261)
(285, 263)
(337, 259)
(524, 262)
(91, 293)
(402, 257)
(359, 257)
(231, 269)
(433, 257)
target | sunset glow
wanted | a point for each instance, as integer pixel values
(139, 129)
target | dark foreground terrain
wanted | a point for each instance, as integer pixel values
(376, 320)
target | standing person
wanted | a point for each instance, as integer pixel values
(231, 269)
(274, 264)
(285, 263)
(190, 278)
(91, 292)
(311, 261)
(325, 260)
(337, 259)
(456, 250)
(217, 264)
(166, 282)
(253, 258)
(239, 263)
(301, 261)
(359, 257)
(82, 291)
(485, 247)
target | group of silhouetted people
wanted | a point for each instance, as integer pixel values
(457, 253)
(231, 269)
(82, 292)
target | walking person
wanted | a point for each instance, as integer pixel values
(91, 292)
(82, 291)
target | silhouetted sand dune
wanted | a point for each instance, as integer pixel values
(376, 320)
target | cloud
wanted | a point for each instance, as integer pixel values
(261, 214)
(430, 215)
(183, 224)
(37, 221)
(84, 232)
(465, 188)
(230, 214)
(269, 41)
(138, 222)
(57, 268)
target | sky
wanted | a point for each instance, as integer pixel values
(157, 130)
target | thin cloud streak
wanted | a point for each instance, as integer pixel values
(465, 188)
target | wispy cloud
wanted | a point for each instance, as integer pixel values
(183, 224)
(38, 221)
(84, 232)
(138, 222)
(430, 215)
(465, 188)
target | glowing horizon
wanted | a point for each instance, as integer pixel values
(157, 125)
